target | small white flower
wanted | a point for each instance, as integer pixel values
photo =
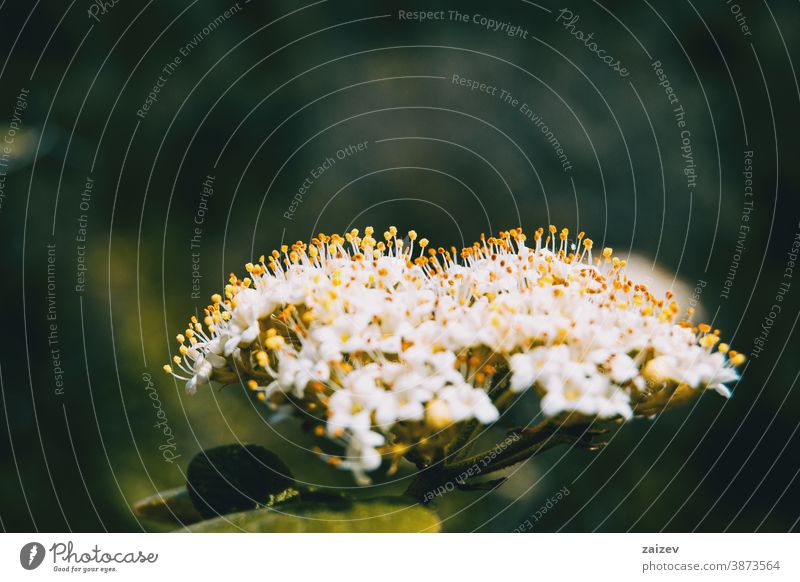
(466, 402)
(202, 375)
(362, 455)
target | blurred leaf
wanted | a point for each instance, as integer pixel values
(489, 485)
(387, 514)
(236, 477)
(170, 507)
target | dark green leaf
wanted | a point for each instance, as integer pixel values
(235, 478)
(322, 495)
(481, 485)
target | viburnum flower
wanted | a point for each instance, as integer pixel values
(390, 349)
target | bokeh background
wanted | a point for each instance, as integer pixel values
(261, 96)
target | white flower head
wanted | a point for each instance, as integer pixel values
(391, 346)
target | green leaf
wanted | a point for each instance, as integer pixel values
(171, 507)
(322, 496)
(234, 478)
(387, 514)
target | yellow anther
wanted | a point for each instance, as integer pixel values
(167, 368)
(275, 342)
(708, 341)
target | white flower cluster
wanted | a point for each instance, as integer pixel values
(390, 346)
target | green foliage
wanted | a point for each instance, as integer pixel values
(235, 478)
(171, 507)
(388, 514)
(246, 488)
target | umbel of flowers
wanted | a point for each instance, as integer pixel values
(388, 348)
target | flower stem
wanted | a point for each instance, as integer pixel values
(463, 441)
(533, 441)
(529, 443)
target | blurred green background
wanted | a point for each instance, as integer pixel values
(259, 99)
